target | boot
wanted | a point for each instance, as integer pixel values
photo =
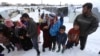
(63, 50)
(49, 48)
(76, 44)
(38, 52)
(58, 50)
(43, 49)
(99, 52)
(81, 48)
(9, 51)
(12, 47)
(53, 49)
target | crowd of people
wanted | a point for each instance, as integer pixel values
(24, 34)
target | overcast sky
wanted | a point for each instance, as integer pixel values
(56, 2)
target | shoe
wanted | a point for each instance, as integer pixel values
(76, 44)
(13, 49)
(43, 50)
(49, 49)
(38, 54)
(63, 50)
(53, 49)
(99, 52)
(58, 50)
(1, 54)
(8, 51)
(82, 48)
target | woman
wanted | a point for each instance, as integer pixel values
(45, 27)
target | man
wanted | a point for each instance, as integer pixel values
(32, 30)
(87, 23)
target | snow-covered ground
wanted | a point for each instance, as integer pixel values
(92, 47)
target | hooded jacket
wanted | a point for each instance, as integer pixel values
(55, 28)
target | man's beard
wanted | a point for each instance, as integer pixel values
(84, 14)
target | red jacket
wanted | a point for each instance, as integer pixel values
(73, 35)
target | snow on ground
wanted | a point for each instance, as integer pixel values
(33, 15)
(92, 47)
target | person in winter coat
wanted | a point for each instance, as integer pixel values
(4, 39)
(61, 38)
(73, 36)
(41, 18)
(9, 31)
(32, 31)
(45, 27)
(1, 30)
(53, 31)
(87, 23)
(24, 40)
(6, 42)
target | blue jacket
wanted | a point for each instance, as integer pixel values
(55, 28)
(61, 38)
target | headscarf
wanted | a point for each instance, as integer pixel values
(19, 24)
(8, 23)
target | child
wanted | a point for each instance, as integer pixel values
(73, 36)
(9, 31)
(23, 37)
(53, 31)
(61, 38)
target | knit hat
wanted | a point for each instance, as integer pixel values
(8, 23)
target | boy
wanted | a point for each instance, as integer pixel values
(73, 36)
(61, 38)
